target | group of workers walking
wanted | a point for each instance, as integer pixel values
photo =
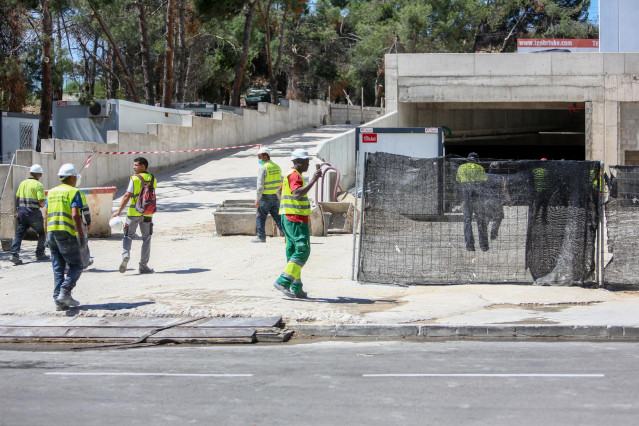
(67, 221)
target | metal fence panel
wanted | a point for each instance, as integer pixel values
(518, 222)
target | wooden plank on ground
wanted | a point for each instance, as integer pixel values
(10, 321)
(273, 335)
(230, 322)
(123, 322)
(72, 333)
(203, 335)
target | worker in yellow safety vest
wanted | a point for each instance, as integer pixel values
(269, 180)
(472, 178)
(65, 235)
(295, 209)
(542, 190)
(29, 199)
(135, 218)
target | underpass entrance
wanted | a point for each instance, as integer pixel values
(523, 131)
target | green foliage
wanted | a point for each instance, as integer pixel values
(339, 44)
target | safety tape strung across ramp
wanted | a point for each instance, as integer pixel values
(164, 152)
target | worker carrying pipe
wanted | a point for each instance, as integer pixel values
(295, 210)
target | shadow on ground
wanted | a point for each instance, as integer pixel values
(185, 271)
(352, 300)
(117, 306)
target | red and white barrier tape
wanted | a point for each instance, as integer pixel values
(166, 152)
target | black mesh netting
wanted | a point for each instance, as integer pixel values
(427, 222)
(622, 226)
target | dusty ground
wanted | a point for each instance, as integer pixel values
(200, 274)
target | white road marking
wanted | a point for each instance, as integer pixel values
(62, 373)
(484, 375)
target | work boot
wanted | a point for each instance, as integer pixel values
(258, 240)
(145, 269)
(16, 260)
(300, 295)
(64, 298)
(282, 288)
(88, 264)
(60, 306)
(125, 261)
(43, 257)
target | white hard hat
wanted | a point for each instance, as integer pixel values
(67, 170)
(300, 154)
(36, 168)
(264, 150)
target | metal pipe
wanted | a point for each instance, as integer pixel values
(355, 216)
(600, 241)
(361, 220)
(326, 169)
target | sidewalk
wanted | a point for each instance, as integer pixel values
(202, 275)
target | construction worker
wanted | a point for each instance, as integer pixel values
(29, 199)
(135, 219)
(472, 177)
(495, 198)
(295, 210)
(542, 192)
(65, 235)
(269, 180)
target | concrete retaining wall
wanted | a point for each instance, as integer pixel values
(222, 130)
(340, 113)
(340, 150)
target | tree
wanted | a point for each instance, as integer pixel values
(127, 74)
(45, 101)
(167, 82)
(224, 9)
(145, 57)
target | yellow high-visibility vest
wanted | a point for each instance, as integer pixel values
(540, 176)
(59, 209)
(273, 177)
(288, 203)
(30, 193)
(471, 172)
(137, 187)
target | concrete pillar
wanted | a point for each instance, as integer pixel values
(612, 156)
(595, 143)
(390, 78)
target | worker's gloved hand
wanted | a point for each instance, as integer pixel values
(317, 174)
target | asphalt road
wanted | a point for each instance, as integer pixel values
(326, 383)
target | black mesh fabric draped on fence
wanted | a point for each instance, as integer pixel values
(439, 221)
(622, 226)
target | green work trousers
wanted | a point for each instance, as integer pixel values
(298, 248)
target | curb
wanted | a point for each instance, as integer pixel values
(468, 332)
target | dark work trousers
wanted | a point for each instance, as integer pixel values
(495, 214)
(65, 250)
(269, 203)
(473, 205)
(25, 221)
